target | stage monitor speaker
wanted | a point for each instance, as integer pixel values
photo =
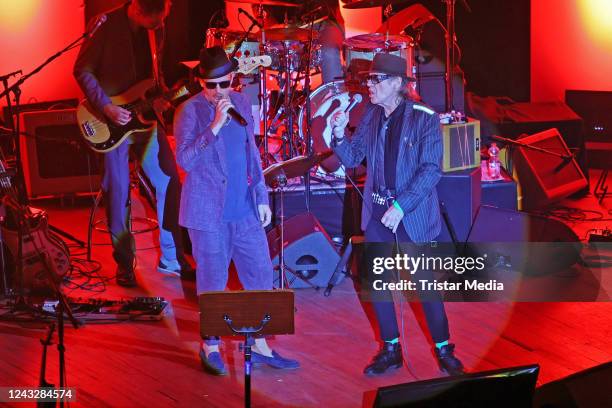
(54, 158)
(545, 178)
(595, 109)
(587, 388)
(459, 194)
(494, 225)
(505, 388)
(308, 251)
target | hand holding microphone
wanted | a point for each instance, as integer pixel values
(221, 114)
(340, 118)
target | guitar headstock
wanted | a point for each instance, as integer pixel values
(249, 64)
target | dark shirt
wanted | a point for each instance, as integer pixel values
(115, 58)
(238, 203)
(393, 132)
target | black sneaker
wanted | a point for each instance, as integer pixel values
(125, 276)
(447, 360)
(389, 356)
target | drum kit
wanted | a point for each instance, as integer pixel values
(296, 119)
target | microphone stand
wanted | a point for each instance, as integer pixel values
(308, 110)
(564, 157)
(15, 89)
(263, 92)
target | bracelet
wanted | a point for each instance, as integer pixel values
(396, 205)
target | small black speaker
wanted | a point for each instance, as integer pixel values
(493, 226)
(309, 253)
(587, 388)
(504, 388)
(459, 193)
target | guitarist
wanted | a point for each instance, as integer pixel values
(121, 52)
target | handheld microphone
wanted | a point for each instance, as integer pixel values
(357, 98)
(250, 17)
(101, 19)
(234, 114)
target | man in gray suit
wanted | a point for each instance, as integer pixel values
(224, 202)
(402, 142)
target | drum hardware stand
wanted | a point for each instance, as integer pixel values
(388, 12)
(288, 98)
(450, 49)
(308, 109)
(278, 184)
(263, 91)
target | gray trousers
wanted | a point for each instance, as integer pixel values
(243, 242)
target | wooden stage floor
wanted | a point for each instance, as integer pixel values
(155, 364)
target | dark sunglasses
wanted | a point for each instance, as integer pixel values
(213, 85)
(377, 79)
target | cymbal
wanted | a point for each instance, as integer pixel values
(292, 168)
(266, 3)
(359, 4)
(288, 33)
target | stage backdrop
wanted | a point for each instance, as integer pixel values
(571, 47)
(30, 32)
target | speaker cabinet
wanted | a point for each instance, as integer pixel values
(544, 177)
(510, 234)
(459, 194)
(308, 252)
(54, 158)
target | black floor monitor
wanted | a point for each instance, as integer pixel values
(509, 387)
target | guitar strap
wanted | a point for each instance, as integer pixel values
(156, 75)
(154, 56)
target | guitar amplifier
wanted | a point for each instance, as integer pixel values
(461, 143)
(54, 157)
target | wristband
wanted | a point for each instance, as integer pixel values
(396, 205)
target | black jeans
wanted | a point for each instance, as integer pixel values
(435, 314)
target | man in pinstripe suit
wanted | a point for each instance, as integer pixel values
(401, 140)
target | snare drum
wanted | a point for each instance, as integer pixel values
(324, 102)
(359, 51)
(227, 39)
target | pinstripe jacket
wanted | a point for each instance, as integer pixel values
(418, 166)
(202, 155)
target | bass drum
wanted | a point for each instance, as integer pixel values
(324, 102)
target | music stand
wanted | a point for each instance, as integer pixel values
(276, 176)
(246, 313)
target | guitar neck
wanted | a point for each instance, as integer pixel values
(146, 104)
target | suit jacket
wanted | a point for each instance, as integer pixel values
(202, 155)
(418, 166)
(106, 64)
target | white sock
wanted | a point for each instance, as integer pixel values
(210, 349)
(261, 347)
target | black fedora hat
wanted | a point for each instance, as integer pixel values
(389, 64)
(214, 63)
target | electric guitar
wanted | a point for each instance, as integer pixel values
(103, 136)
(40, 248)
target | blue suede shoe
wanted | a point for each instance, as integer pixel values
(276, 361)
(212, 364)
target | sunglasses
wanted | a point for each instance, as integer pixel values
(377, 79)
(213, 85)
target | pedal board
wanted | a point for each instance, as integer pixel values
(138, 308)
